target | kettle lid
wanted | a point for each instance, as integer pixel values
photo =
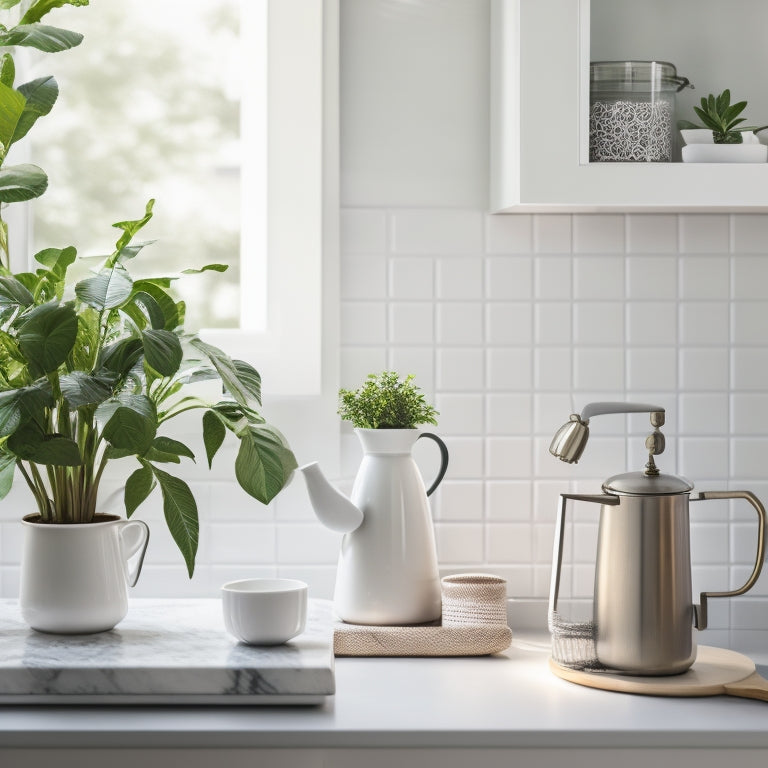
(643, 484)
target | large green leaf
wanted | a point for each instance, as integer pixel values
(5, 4)
(169, 445)
(214, 433)
(40, 36)
(14, 294)
(164, 300)
(80, 388)
(7, 469)
(41, 95)
(137, 487)
(121, 356)
(180, 511)
(264, 463)
(7, 70)
(22, 182)
(107, 290)
(130, 430)
(227, 370)
(47, 336)
(150, 308)
(18, 406)
(11, 109)
(162, 351)
(38, 9)
(130, 228)
(249, 378)
(29, 442)
(10, 411)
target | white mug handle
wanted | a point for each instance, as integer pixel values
(134, 538)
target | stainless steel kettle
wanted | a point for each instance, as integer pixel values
(643, 606)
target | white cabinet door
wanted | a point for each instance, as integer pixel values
(539, 140)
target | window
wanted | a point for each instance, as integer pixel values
(166, 99)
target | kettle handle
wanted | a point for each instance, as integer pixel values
(700, 611)
(443, 460)
(557, 550)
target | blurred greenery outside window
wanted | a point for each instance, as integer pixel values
(151, 106)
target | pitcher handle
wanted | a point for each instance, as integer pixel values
(443, 460)
(134, 538)
(700, 611)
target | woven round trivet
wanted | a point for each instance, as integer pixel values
(474, 598)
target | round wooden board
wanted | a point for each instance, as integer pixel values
(710, 675)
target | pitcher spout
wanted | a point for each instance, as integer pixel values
(333, 509)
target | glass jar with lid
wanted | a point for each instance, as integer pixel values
(632, 110)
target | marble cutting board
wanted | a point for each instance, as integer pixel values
(164, 652)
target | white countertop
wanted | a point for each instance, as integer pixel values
(507, 701)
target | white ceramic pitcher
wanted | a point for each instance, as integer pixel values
(387, 571)
(74, 576)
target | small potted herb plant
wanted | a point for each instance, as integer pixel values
(387, 571)
(96, 372)
(721, 125)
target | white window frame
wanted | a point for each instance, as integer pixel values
(295, 354)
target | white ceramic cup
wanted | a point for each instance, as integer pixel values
(265, 611)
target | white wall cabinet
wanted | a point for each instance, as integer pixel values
(539, 127)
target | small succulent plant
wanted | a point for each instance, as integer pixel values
(722, 118)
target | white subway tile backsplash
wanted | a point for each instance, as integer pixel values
(651, 277)
(552, 233)
(509, 369)
(652, 323)
(460, 278)
(460, 323)
(749, 322)
(459, 543)
(418, 361)
(461, 501)
(598, 323)
(508, 414)
(703, 457)
(598, 368)
(553, 277)
(704, 323)
(750, 368)
(460, 414)
(509, 542)
(467, 458)
(437, 232)
(750, 275)
(364, 276)
(598, 277)
(750, 414)
(652, 233)
(750, 233)
(603, 233)
(411, 323)
(509, 234)
(508, 277)
(358, 362)
(460, 369)
(705, 277)
(701, 233)
(703, 414)
(552, 323)
(508, 457)
(411, 278)
(704, 369)
(508, 323)
(307, 544)
(508, 500)
(363, 322)
(709, 543)
(749, 457)
(552, 368)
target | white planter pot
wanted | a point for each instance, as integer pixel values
(74, 576)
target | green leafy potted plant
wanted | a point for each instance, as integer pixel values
(721, 117)
(387, 572)
(94, 373)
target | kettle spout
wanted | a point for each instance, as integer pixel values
(333, 509)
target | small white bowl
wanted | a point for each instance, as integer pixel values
(264, 611)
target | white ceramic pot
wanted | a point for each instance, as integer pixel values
(74, 576)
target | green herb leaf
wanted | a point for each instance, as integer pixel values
(40, 95)
(42, 37)
(12, 105)
(168, 445)
(80, 388)
(7, 470)
(180, 511)
(206, 268)
(264, 462)
(47, 335)
(38, 9)
(241, 390)
(130, 429)
(214, 433)
(137, 488)
(107, 290)
(30, 443)
(130, 228)
(7, 70)
(22, 182)
(162, 351)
